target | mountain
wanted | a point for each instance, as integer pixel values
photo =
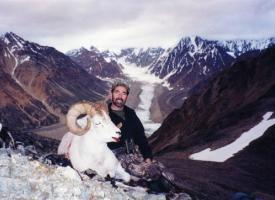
(195, 59)
(139, 56)
(39, 83)
(238, 47)
(95, 63)
(191, 61)
(232, 103)
(18, 108)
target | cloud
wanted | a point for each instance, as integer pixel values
(67, 24)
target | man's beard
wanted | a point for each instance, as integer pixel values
(118, 102)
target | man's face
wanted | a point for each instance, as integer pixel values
(119, 96)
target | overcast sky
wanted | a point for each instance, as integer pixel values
(115, 24)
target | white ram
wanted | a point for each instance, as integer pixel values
(87, 147)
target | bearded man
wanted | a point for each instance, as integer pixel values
(133, 150)
(132, 130)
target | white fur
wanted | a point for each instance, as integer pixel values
(90, 151)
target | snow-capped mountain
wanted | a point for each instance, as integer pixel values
(94, 62)
(194, 59)
(181, 67)
(238, 47)
(230, 120)
(39, 83)
(190, 61)
(139, 56)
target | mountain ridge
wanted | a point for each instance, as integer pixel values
(232, 103)
(45, 75)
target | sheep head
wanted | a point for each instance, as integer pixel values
(98, 123)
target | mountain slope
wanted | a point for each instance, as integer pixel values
(45, 74)
(18, 108)
(194, 59)
(94, 63)
(233, 102)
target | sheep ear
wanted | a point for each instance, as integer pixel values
(119, 125)
(101, 106)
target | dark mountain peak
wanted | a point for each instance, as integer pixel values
(39, 83)
(194, 44)
(83, 49)
(184, 41)
(94, 49)
(154, 50)
(189, 39)
(77, 52)
(199, 39)
(13, 40)
(12, 37)
(109, 54)
(240, 46)
(126, 51)
(140, 51)
(18, 45)
(141, 56)
(272, 41)
(95, 62)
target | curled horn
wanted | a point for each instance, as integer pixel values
(76, 110)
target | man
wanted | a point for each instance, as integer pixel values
(132, 134)
(132, 130)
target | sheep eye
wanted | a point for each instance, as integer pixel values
(97, 123)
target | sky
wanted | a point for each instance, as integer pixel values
(116, 24)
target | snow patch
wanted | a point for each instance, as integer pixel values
(231, 54)
(205, 70)
(18, 42)
(149, 82)
(138, 73)
(108, 59)
(143, 109)
(228, 151)
(27, 58)
(6, 40)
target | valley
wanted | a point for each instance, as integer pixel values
(196, 96)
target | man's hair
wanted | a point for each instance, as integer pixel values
(117, 84)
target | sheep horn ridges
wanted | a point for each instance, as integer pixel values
(75, 110)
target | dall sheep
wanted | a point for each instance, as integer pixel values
(87, 147)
